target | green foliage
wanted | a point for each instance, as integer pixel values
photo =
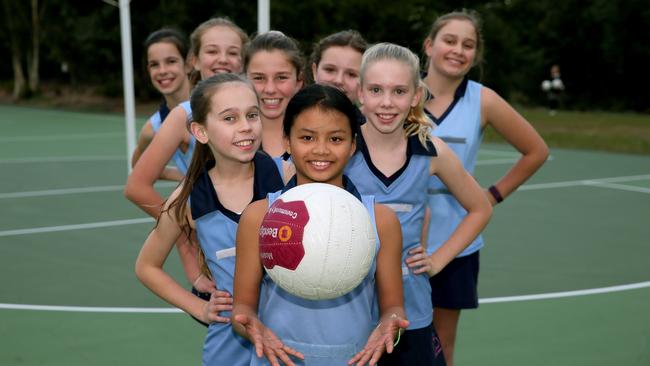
(598, 43)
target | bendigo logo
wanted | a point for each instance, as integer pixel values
(281, 234)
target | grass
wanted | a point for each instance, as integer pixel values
(615, 132)
(597, 130)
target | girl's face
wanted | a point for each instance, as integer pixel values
(387, 95)
(232, 127)
(453, 51)
(220, 52)
(339, 67)
(320, 143)
(167, 68)
(275, 80)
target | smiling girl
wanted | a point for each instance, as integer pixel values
(226, 174)
(395, 157)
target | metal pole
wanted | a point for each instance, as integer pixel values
(263, 16)
(127, 79)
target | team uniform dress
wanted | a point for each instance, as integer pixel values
(216, 229)
(326, 332)
(181, 159)
(405, 192)
(460, 127)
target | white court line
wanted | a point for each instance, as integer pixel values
(489, 300)
(91, 225)
(557, 295)
(61, 159)
(77, 190)
(56, 192)
(504, 161)
(621, 187)
(499, 152)
(583, 182)
(78, 136)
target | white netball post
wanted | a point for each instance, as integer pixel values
(263, 16)
(127, 77)
(263, 25)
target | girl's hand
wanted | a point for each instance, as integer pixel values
(266, 342)
(204, 284)
(219, 301)
(381, 339)
(420, 262)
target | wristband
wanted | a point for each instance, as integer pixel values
(495, 193)
(197, 280)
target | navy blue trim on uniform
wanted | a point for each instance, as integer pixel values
(204, 199)
(361, 119)
(285, 156)
(347, 185)
(267, 177)
(163, 110)
(413, 147)
(459, 93)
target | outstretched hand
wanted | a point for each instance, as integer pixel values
(266, 342)
(381, 340)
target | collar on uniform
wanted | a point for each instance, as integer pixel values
(347, 185)
(413, 147)
(459, 93)
(204, 198)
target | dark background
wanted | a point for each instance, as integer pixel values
(600, 45)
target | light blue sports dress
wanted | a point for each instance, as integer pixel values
(326, 332)
(460, 128)
(406, 194)
(181, 159)
(216, 229)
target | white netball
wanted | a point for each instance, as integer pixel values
(317, 241)
(546, 85)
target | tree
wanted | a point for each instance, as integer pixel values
(22, 21)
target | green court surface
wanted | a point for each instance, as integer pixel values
(565, 273)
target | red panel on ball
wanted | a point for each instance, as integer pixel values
(281, 234)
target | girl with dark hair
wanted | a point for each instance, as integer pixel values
(167, 66)
(320, 129)
(336, 60)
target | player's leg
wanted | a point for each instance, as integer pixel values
(453, 289)
(445, 322)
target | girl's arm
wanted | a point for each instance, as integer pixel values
(470, 195)
(248, 277)
(149, 270)
(140, 186)
(520, 134)
(144, 139)
(151, 164)
(388, 278)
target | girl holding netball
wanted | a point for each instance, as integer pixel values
(166, 62)
(461, 110)
(395, 157)
(216, 47)
(226, 174)
(320, 128)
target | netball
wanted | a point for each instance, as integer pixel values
(317, 241)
